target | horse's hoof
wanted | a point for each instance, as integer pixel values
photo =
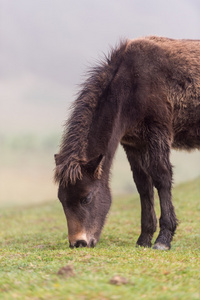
(143, 245)
(160, 246)
(144, 240)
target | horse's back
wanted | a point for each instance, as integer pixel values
(167, 72)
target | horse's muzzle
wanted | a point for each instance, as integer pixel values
(83, 243)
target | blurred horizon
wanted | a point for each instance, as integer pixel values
(46, 48)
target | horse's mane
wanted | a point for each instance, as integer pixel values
(74, 141)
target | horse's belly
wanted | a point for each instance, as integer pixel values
(186, 124)
(187, 138)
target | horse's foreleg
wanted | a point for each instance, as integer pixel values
(145, 188)
(161, 173)
(148, 217)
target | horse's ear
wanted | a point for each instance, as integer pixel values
(95, 165)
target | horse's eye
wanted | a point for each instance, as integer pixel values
(86, 200)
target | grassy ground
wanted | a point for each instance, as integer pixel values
(33, 247)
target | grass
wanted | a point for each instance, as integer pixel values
(33, 247)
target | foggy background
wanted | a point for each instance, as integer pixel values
(46, 47)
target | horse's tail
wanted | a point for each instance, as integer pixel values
(74, 141)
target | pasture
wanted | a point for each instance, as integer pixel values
(34, 246)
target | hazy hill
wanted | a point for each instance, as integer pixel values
(46, 47)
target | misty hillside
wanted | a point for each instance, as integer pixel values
(46, 48)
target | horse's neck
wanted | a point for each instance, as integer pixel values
(104, 137)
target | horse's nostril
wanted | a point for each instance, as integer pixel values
(80, 243)
(92, 243)
(71, 246)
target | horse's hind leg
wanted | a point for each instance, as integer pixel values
(145, 188)
(160, 170)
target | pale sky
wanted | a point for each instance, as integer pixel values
(46, 46)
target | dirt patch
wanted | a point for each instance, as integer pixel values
(118, 280)
(66, 271)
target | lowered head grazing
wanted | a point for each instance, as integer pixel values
(146, 96)
(86, 200)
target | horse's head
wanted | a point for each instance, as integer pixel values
(86, 200)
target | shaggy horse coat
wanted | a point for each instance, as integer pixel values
(146, 96)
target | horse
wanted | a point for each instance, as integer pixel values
(145, 95)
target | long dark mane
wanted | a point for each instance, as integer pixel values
(75, 137)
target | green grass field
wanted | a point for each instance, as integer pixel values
(33, 247)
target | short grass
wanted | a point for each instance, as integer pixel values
(33, 247)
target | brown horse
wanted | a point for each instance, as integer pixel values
(146, 96)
